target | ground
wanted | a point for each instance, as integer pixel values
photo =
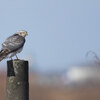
(37, 92)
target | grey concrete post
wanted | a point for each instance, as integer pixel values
(17, 80)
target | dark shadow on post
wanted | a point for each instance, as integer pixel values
(10, 69)
(17, 80)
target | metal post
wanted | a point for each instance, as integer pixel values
(17, 80)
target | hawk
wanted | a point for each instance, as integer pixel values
(13, 45)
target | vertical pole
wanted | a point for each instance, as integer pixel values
(17, 80)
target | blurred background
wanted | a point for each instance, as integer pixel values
(62, 46)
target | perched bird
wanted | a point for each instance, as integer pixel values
(13, 45)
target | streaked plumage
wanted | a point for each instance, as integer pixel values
(13, 45)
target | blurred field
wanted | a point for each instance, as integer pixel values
(42, 92)
(39, 93)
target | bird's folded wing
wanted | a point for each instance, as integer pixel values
(13, 43)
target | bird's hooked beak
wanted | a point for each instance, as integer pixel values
(26, 34)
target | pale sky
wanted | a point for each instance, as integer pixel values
(60, 31)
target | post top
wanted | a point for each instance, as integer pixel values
(17, 60)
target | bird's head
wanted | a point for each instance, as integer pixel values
(22, 33)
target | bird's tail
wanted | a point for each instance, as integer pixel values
(3, 54)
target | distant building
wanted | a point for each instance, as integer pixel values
(82, 74)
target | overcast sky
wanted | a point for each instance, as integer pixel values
(60, 31)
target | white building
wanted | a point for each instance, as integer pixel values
(82, 74)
